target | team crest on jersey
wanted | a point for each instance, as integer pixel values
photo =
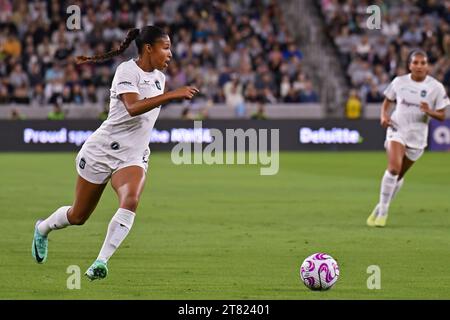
(423, 93)
(115, 145)
(158, 85)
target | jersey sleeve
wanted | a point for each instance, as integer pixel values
(390, 92)
(442, 100)
(127, 81)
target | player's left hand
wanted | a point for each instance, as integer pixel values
(424, 107)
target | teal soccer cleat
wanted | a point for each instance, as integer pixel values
(39, 247)
(98, 270)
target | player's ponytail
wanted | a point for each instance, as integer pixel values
(147, 35)
(132, 34)
(412, 54)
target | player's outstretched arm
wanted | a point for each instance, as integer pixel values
(436, 114)
(136, 107)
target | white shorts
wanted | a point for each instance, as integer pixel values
(97, 165)
(412, 154)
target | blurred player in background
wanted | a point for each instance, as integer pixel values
(419, 97)
(118, 149)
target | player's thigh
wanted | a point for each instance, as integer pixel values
(87, 195)
(128, 183)
(395, 154)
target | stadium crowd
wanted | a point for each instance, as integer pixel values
(373, 58)
(234, 52)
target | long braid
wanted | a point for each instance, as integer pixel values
(131, 35)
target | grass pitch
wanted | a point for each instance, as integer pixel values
(225, 232)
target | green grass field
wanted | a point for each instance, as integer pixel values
(225, 232)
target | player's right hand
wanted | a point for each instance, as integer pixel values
(385, 121)
(186, 92)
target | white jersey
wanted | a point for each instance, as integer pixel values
(120, 131)
(407, 117)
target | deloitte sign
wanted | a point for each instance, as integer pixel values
(332, 136)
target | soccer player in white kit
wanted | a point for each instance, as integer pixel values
(418, 97)
(118, 150)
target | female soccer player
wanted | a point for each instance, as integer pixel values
(118, 149)
(418, 97)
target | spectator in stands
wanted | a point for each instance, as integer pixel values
(92, 93)
(57, 113)
(374, 96)
(234, 97)
(4, 96)
(16, 115)
(20, 94)
(260, 113)
(11, 47)
(308, 95)
(38, 97)
(186, 114)
(211, 46)
(292, 97)
(353, 106)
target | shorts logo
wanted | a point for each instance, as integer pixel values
(115, 145)
(145, 157)
(158, 85)
(423, 93)
(82, 163)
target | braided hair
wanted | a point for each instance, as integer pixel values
(147, 35)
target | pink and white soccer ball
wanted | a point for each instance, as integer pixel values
(319, 271)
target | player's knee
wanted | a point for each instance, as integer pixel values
(130, 202)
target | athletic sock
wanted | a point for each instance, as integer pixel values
(388, 184)
(398, 186)
(57, 220)
(118, 229)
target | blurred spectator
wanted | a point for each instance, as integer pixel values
(375, 58)
(374, 96)
(234, 97)
(11, 46)
(308, 95)
(57, 113)
(4, 96)
(186, 114)
(16, 115)
(210, 42)
(353, 106)
(260, 113)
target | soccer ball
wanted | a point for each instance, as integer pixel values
(319, 271)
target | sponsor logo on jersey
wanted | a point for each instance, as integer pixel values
(146, 82)
(423, 93)
(82, 163)
(409, 89)
(409, 104)
(125, 82)
(158, 85)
